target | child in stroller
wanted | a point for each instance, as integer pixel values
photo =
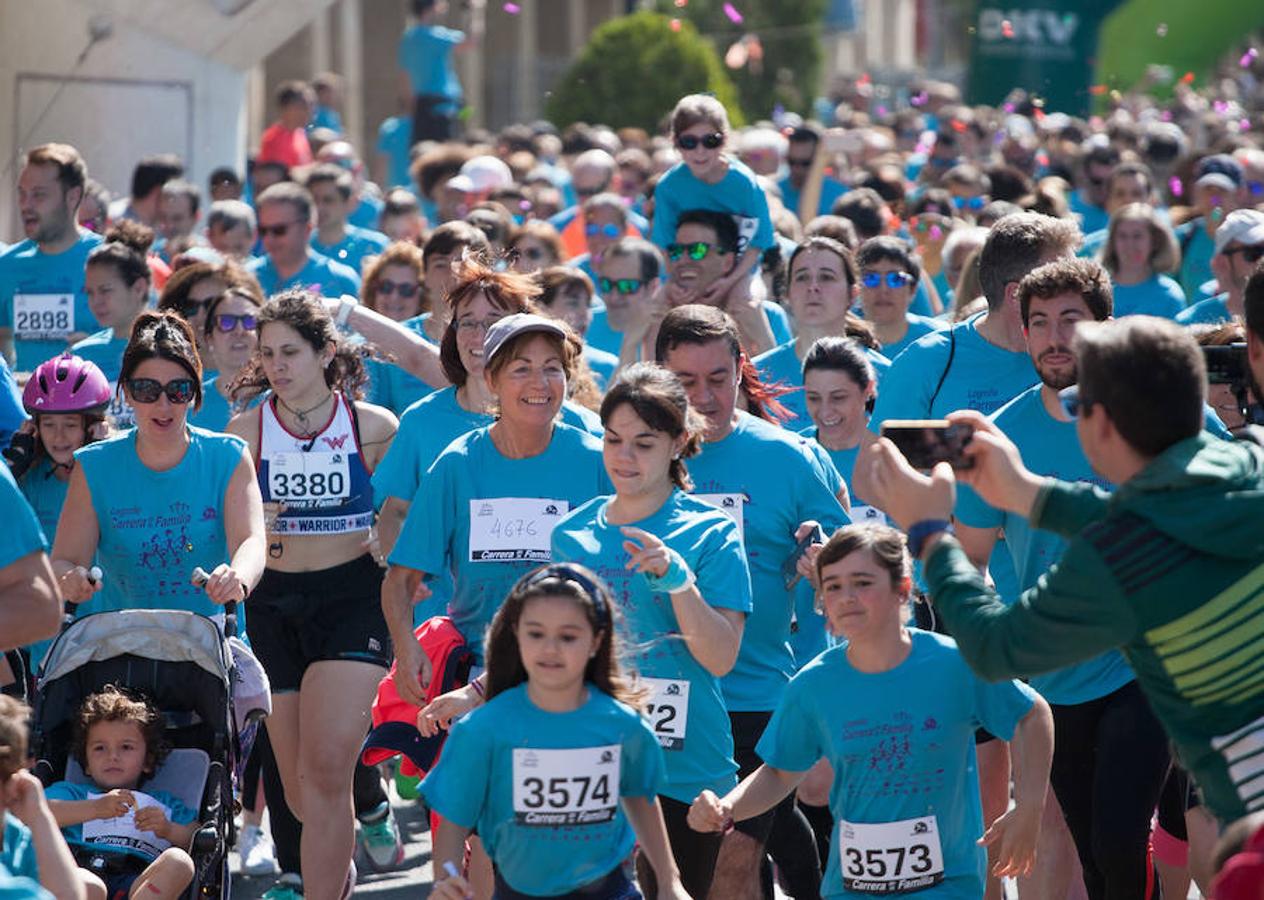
(119, 742)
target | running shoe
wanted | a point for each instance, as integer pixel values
(379, 835)
(288, 887)
(258, 856)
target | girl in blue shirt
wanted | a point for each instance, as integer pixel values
(231, 337)
(708, 179)
(888, 279)
(1140, 246)
(558, 771)
(894, 709)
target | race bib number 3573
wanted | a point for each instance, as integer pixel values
(890, 857)
(565, 787)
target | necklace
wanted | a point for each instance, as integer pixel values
(300, 415)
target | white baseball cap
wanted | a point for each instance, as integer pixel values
(1245, 226)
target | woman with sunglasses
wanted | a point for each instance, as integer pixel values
(822, 278)
(117, 280)
(315, 620)
(708, 179)
(888, 279)
(534, 245)
(162, 498)
(1140, 246)
(231, 337)
(930, 222)
(190, 290)
(393, 286)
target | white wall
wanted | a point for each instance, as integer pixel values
(170, 78)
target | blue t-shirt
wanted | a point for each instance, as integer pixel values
(17, 855)
(46, 493)
(1212, 311)
(12, 415)
(695, 734)
(106, 350)
(1048, 447)
(902, 746)
(1197, 249)
(600, 335)
(831, 190)
(425, 53)
(602, 364)
(19, 887)
(177, 813)
(325, 117)
(738, 194)
(513, 770)
(367, 214)
(393, 386)
(157, 526)
(487, 518)
(355, 245)
(42, 298)
(394, 141)
(1158, 296)
(1092, 217)
(769, 482)
(918, 327)
(781, 365)
(320, 275)
(21, 534)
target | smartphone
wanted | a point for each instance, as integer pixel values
(789, 569)
(1226, 364)
(928, 442)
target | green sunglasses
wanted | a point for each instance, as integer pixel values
(697, 250)
(624, 286)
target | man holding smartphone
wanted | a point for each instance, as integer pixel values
(1169, 569)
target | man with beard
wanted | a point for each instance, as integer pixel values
(1110, 755)
(43, 306)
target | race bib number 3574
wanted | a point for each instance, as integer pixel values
(890, 857)
(565, 787)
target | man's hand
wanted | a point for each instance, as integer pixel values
(998, 474)
(903, 493)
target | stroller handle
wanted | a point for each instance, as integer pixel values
(200, 577)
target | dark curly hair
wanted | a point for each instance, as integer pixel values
(114, 704)
(306, 315)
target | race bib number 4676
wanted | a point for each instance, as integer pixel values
(565, 787)
(890, 857)
(508, 529)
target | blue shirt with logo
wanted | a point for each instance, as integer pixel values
(42, 298)
(355, 245)
(708, 541)
(737, 194)
(320, 275)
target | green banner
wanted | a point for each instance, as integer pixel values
(1048, 48)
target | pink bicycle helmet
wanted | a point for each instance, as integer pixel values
(66, 384)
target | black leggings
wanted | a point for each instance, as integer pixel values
(367, 794)
(695, 853)
(793, 847)
(1110, 760)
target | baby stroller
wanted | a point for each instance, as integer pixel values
(183, 664)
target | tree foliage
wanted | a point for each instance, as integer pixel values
(789, 33)
(634, 69)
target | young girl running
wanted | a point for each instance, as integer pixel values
(894, 710)
(557, 771)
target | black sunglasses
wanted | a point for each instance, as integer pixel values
(275, 230)
(148, 390)
(405, 289)
(190, 308)
(691, 142)
(226, 322)
(1252, 253)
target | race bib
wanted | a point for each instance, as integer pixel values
(309, 480)
(119, 412)
(747, 228)
(508, 529)
(667, 709)
(861, 514)
(890, 857)
(122, 832)
(733, 504)
(555, 788)
(43, 317)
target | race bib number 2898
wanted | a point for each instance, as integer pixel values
(565, 787)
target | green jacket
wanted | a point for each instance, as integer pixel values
(1169, 569)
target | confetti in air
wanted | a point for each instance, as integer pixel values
(1007, 28)
(1187, 78)
(1248, 57)
(1174, 185)
(512, 8)
(1161, 31)
(675, 24)
(734, 16)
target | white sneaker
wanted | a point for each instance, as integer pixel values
(258, 856)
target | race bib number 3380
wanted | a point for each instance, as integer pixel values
(890, 857)
(555, 788)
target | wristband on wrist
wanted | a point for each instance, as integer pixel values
(676, 578)
(922, 531)
(344, 311)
